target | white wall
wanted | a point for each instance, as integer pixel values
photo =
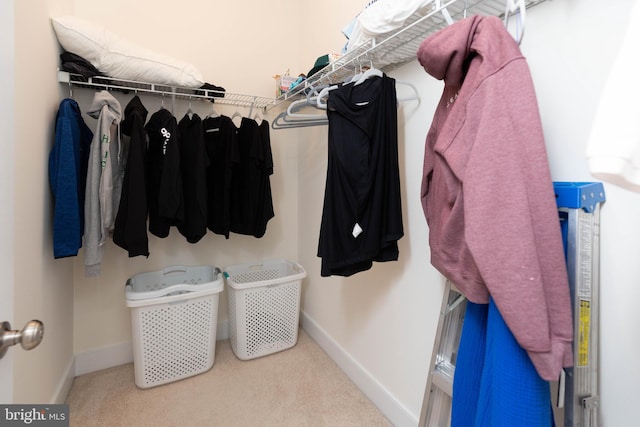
(43, 288)
(7, 127)
(570, 58)
(378, 324)
(238, 46)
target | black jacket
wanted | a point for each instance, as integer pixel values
(130, 230)
(221, 142)
(194, 178)
(164, 179)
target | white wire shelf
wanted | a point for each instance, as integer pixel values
(385, 52)
(130, 86)
(391, 50)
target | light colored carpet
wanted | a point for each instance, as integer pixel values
(297, 387)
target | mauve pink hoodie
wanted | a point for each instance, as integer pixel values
(487, 192)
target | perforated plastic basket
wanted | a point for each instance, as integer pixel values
(264, 306)
(174, 316)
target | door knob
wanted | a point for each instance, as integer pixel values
(29, 337)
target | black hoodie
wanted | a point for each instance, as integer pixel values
(130, 230)
(164, 179)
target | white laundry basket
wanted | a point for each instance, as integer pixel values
(264, 306)
(174, 316)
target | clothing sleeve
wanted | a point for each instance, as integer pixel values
(171, 200)
(107, 182)
(92, 225)
(511, 220)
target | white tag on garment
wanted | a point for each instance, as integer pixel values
(356, 230)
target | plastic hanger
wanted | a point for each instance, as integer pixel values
(283, 121)
(296, 105)
(445, 13)
(323, 93)
(371, 72)
(512, 8)
(236, 114)
(358, 74)
(213, 113)
(291, 119)
(190, 110)
(415, 97)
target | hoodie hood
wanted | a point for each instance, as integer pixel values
(105, 99)
(134, 109)
(446, 55)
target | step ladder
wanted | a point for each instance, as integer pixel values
(577, 404)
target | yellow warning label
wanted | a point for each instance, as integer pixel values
(584, 329)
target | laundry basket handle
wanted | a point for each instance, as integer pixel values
(174, 269)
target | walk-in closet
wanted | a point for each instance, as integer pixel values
(295, 79)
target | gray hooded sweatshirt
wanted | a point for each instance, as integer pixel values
(104, 179)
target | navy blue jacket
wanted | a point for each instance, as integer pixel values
(67, 177)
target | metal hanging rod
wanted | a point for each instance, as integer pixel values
(129, 86)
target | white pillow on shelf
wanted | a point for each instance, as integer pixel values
(385, 16)
(120, 59)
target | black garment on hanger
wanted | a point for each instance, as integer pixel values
(362, 216)
(266, 201)
(130, 229)
(221, 144)
(194, 164)
(250, 184)
(164, 178)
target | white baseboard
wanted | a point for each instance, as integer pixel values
(222, 331)
(103, 358)
(397, 413)
(66, 381)
(122, 353)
